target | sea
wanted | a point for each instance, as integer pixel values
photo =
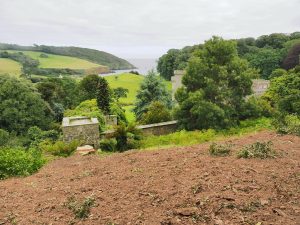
(143, 66)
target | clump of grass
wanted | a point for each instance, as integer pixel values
(260, 150)
(81, 210)
(220, 149)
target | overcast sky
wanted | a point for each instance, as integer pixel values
(141, 28)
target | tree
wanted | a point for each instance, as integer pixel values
(166, 64)
(120, 92)
(152, 89)
(156, 113)
(21, 106)
(266, 60)
(215, 85)
(103, 96)
(89, 85)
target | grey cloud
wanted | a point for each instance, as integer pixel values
(136, 28)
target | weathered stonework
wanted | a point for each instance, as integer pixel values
(81, 128)
(260, 86)
(111, 120)
(149, 129)
(176, 81)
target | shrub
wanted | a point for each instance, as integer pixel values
(19, 162)
(4, 137)
(109, 145)
(220, 149)
(156, 113)
(59, 148)
(127, 137)
(289, 124)
(261, 150)
(36, 135)
(81, 210)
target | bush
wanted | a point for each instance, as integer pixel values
(256, 107)
(220, 149)
(19, 162)
(109, 145)
(59, 148)
(36, 135)
(127, 137)
(81, 210)
(260, 150)
(289, 124)
(156, 113)
(4, 137)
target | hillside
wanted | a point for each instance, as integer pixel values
(10, 67)
(57, 61)
(182, 185)
(92, 55)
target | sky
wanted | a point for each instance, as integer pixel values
(141, 28)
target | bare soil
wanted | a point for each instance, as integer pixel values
(183, 185)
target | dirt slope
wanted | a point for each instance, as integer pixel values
(176, 186)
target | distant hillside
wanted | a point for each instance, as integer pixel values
(92, 55)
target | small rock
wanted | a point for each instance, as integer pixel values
(85, 150)
(218, 222)
(186, 211)
(279, 212)
(264, 202)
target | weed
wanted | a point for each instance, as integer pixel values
(81, 210)
(220, 149)
(261, 150)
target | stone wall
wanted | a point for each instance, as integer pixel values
(149, 129)
(176, 81)
(81, 128)
(159, 128)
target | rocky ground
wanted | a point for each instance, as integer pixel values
(183, 185)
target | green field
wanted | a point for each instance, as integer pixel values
(132, 82)
(10, 67)
(127, 80)
(58, 61)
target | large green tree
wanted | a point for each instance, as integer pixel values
(21, 106)
(215, 85)
(103, 95)
(153, 88)
(88, 86)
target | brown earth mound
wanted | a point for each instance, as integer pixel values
(183, 185)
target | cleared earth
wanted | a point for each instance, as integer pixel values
(183, 185)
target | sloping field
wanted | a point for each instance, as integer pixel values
(10, 67)
(183, 185)
(58, 61)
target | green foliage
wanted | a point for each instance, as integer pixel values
(156, 113)
(220, 149)
(109, 145)
(4, 137)
(59, 148)
(287, 124)
(36, 135)
(215, 85)
(63, 91)
(89, 85)
(87, 108)
(256, 107)
(21, 106)
(81, 210)
(260, 150)
(120, 92)
(103, 96)
(152, 89)
(284, 93)
(175, 60)
(127, 137)
(116, 109)
(275, 40)
(266, 60)
(19, 162)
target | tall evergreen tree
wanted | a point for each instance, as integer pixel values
(152, 89)
(103, 96)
